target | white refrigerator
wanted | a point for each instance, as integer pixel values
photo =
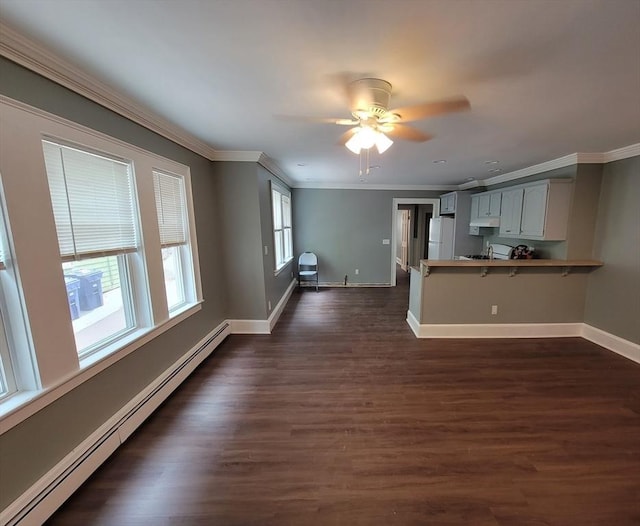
(441, 238)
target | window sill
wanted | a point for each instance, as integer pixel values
(280, 269)
(20, 406)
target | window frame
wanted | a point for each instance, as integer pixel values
(42, 292)
(281, 217)
(70, 221)
(184, 250)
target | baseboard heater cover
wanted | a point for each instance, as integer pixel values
(39, 502)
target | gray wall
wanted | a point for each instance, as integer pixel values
(241, 249)
(613, 294)
(54, 431)
(246, 220)
(345, 228)
(274, 286)
(584, 211)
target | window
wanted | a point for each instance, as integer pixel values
(94, 208)
(282, 236)
(171, 207)
(95, 268)
(16, 365)
(7, 381)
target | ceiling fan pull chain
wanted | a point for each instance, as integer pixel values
(368, 163)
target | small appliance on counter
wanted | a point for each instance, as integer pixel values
(523, 252)
(494, 251)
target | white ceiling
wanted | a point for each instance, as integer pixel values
(545, 78)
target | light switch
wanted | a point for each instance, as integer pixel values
(386, 242)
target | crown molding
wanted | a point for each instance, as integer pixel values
(625, 152)
(37, 58)
(633, 150)
(269, 164)
(554, 164)
(366, 186)
(240, 156)
(470, 185)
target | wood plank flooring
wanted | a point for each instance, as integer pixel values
(343, 417)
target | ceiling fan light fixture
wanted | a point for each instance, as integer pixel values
(353, 144)
(383, 143)
(365, 138)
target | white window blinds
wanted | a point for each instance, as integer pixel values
(171, 207)
(93, 202)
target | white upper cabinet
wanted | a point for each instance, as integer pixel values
(511, 212)
(486, 205)
(489, 204)
(448, 203)
(537, 210)
(534, 207)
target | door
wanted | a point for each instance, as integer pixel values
(404, 244)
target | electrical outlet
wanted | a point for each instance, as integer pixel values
(266, 250)
(269, 303)
(357, 271)
(494, 309)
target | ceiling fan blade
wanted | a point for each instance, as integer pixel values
(430, 109)
(346, 136)
(327, 120)
(408, 133)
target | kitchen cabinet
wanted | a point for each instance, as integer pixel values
(448, 203)
(489, 204)
(538, 211)
(486, 205)
(534, 205)
(511, 212)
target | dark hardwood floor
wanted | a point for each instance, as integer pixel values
(343, 417)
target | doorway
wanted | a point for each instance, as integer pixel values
(396, 234)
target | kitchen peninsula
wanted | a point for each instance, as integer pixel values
(498, 298)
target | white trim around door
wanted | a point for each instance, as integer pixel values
(435, 201)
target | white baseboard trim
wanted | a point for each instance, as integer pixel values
(39, 502)
(494, 330)
(275, 314)
(263, 326)
(341, 285)
(250, 326)
(611, 342)
(414, 324)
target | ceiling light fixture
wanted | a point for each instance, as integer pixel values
(440, 161)
(491, 162)
(366, 137)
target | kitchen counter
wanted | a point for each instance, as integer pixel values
(427, 265)
(499, 298)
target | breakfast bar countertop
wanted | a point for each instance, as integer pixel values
(426, 265)
(510, 263)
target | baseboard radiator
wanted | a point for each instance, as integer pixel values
(38, 503)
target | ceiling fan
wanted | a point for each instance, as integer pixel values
(374, 124)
